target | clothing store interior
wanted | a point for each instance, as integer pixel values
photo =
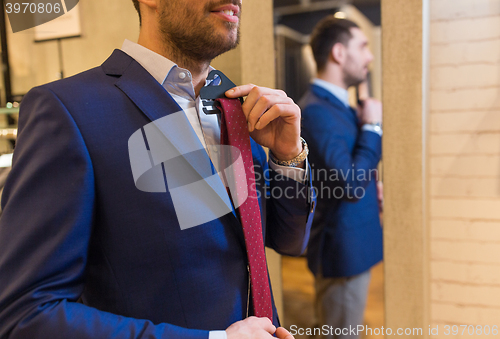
(427, 261)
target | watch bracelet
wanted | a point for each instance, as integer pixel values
(295, 161)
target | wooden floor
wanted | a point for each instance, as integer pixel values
(298, 295)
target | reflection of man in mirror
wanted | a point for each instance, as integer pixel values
(84, 254)
(346, 239)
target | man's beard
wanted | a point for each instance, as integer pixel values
(353, 76)
(196, 42)
(353, 79)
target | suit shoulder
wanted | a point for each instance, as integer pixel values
(318, 107)
(308, 98)
(91, 86)
(310, 102)
(319, 114)
(93, 76)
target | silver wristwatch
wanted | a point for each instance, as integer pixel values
(374, 127)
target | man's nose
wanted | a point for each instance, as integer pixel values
(370, 56)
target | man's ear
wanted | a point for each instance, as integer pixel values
(338, 53)
(151, 4)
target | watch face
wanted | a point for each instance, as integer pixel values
(295, 161)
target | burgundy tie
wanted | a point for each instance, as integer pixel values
(234, 132)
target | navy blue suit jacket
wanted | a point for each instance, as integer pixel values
(346, 237)
(85, 254)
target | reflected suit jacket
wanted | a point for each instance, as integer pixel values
(85, 254)
(346, 236)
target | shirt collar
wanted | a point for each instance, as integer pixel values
(338, 92)
(157, 65)
(174, 79)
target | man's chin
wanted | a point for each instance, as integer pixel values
(354, 82)
(231, 30)
(218, 49)
(232, 39)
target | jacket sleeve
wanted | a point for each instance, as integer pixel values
(45, 229)
(290, 214)
(337, 165)
(289, 207)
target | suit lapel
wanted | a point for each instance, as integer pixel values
(324, 94)
(156, 103)
(332, 99)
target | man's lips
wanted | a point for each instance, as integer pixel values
(228, 7)
(227, 12)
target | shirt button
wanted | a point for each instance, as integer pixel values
(182, 75)
(214, 148)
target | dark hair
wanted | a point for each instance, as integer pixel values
(326, 34)
(136, 5)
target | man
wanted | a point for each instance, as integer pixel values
(346, 237)
(86, 254)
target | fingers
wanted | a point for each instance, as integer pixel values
(380, 196)
(239, 91)
(267, 325)
(244, 90)
(261, 101)
(262, 97)
(380, 189)
(371, 111)
(255, 109)
(282, 333)
(258, 101)
(263, 105)
(252, 327)
(278, 110)
(269, 108)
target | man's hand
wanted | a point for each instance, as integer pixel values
(370, 111)
(380, 196)
(282, 333)
(256, 328)
(273, 119)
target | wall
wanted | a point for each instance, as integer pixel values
(465, 162)
(404, 176)
(104, 27)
